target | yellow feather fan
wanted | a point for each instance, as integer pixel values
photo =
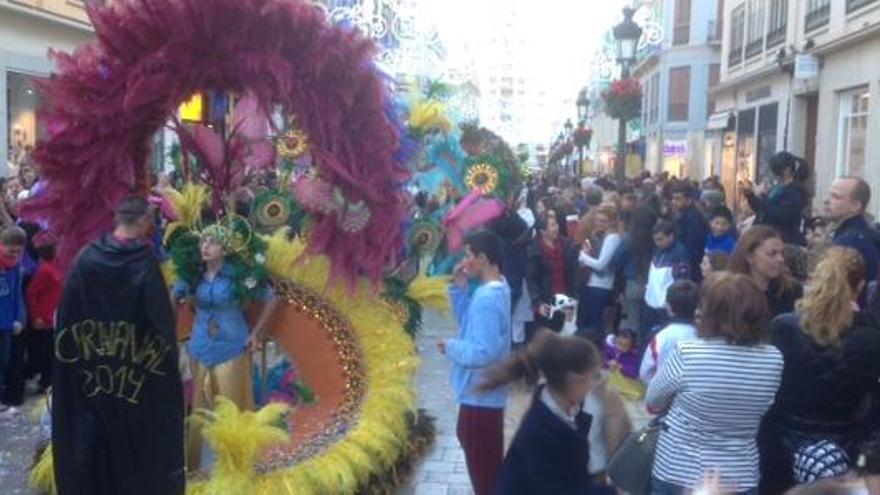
(428, 115)
(188, 205)
(430, 292)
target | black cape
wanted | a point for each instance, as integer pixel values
(117, 412)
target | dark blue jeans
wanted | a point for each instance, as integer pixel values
(591, 312)
(5, 352)
(659, 487)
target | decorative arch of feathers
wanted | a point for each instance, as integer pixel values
(369, 198)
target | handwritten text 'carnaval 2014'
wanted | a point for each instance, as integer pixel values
(130, 357)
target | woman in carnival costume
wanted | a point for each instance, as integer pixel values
(219, 347)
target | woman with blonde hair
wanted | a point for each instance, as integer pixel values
(831, 369)
(598, 293)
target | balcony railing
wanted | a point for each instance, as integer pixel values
(776, 37)
(754, 48)
(681, 35)
(817, 18)
(713, 34)
(735, 56)
(852, 5)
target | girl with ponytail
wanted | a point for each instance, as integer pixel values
(782, 207)
(551, 451)
(831, 370)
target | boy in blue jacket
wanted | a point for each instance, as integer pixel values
(484, 324)
(13, 315)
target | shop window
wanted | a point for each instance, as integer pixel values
(853, 131)
(23, 123)
(767, 120)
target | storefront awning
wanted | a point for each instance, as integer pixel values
(719, 120)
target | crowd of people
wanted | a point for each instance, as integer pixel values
(755, 336)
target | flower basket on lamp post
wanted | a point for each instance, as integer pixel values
(623, 99)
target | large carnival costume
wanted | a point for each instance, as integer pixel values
(306, 95)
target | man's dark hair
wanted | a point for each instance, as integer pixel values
(683, 298)
(723, 212)
(684, 188)
(131, 209)
(663, 227)
(861, 191)
(13, 236)
(486, 243)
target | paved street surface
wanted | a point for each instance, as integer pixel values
(19, 435)
(442, 472)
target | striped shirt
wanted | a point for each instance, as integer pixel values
(716, 394)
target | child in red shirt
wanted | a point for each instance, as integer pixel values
(43, 295)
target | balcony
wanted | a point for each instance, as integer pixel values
(735, 56)
(853, 5)
(817, 18)
(754, 48)
(681, 35)
(713, 33)
(776, 37)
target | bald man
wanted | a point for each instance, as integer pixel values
(846, 203)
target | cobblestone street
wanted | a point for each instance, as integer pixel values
(19, 436)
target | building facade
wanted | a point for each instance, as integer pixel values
(28, 30)
(675, 82)
(799, 75)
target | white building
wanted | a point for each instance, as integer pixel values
(675, 82)
(28, 29)
(827, 118)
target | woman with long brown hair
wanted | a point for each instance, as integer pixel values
(830, 341)
(760, 254)
(551, 450)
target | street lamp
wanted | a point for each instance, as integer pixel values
(569, 127)
(626, 36)
(583, 105)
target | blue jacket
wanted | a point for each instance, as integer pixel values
(691, 231)
(724, 244)
(782, 209)
(12, 308)
(678, 258)
(484, 335)
(856, 233)
(548, 456)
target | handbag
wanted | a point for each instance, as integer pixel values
(630, 467)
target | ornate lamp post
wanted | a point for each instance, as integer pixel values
(626, 36)
(583, 108)
(569, 127)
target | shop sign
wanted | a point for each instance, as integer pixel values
(806, 66)
(675, 148)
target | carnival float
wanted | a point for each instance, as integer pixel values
(333, 229)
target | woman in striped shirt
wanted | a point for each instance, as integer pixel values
(716, 389)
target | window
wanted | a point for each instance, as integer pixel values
(737, 35)
(767, 119)
(852, 5)
(818, 12)
(755, 33)
(777, 23)
(682, 30)
(24, 123)
(679, 92)
(714, 77)
(655, 98)
(853, 131)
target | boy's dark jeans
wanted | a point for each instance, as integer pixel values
(5, 350)
(13, 380)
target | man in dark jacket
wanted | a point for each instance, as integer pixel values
(845, 205)
(118, 413)
(690, 225)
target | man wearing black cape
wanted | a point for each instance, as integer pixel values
(118, 412)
